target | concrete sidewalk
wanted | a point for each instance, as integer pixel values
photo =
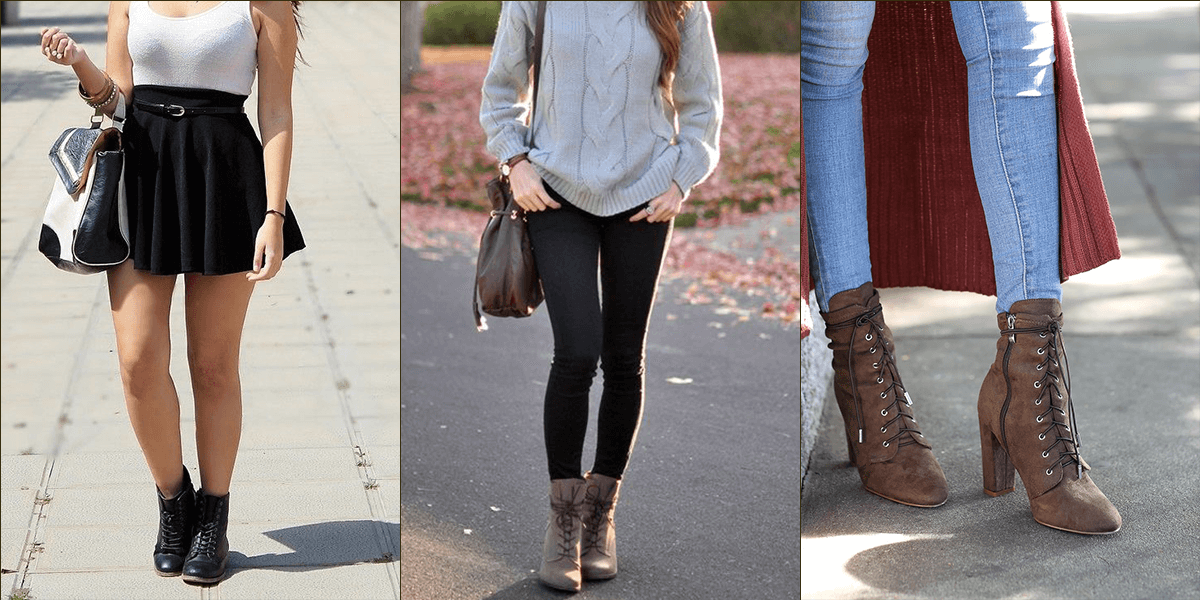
(315, 499)
(1133, 340)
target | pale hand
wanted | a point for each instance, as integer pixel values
(527, 188)
(268, 249)
(60, 48)
(665, 207)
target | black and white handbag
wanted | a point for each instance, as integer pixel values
(86, 226)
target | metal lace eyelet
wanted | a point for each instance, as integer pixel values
(883, 430)
(1050, 471)
(1039, 419)
(1041, 350)
(883, 412)
(913, 420)
(869, 337)
(1042, 334)
(883, 394)
(1040, 367)
(878, 380)
(873, 350)
(1068, 428)
(1059, 395)
(1042, 436)
(1037, 384)
(1037, 402)
(874, 365)
(885, 444)
(1045, 454)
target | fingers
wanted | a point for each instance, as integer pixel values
(57, 45)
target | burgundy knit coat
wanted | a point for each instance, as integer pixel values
(926, 222)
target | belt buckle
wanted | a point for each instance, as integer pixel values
(174, 110)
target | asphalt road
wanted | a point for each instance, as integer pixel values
(710, 506)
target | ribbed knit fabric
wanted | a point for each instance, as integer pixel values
(603, 135)
(927, 226)
(213, 50)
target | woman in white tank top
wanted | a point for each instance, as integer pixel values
(207, 200)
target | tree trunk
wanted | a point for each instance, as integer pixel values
(412, 21)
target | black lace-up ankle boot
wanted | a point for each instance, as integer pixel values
(210, 547)
(176, 522)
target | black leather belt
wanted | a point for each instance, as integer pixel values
(174, 110)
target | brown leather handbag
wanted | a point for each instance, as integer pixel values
(506, 278)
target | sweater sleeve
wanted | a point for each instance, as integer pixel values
(698, 100)
(502, 112)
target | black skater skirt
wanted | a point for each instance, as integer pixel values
(195, 185)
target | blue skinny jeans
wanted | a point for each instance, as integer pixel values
(1009, 50)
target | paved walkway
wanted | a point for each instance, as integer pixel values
(1133, 335)
(315, 502)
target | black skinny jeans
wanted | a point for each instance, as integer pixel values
(569, 245)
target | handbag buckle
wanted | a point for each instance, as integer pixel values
(175, 110)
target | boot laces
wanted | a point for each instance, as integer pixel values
(207, 539)
(886, 362)
(1055, 388)
(597, 519)
(565, 520)
(171, 522)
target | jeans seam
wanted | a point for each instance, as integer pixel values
(1000, 149)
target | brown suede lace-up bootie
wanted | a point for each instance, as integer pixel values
(598, 549)
(1027, 421)
(893, 459)
(560, 550)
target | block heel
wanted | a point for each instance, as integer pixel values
(999, 474)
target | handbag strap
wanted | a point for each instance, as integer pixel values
(537, 63)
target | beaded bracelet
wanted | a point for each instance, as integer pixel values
(108, 94)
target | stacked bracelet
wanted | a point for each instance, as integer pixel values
(110, 92)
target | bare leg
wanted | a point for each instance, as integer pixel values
(141, 308)
(216, 311)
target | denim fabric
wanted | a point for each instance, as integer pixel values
(569, 246)
(1009, 50)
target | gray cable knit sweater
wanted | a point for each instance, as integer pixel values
(604, 137)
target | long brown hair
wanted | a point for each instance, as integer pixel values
(664, 17)
(299, 29)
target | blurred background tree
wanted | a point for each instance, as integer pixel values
(738, 26)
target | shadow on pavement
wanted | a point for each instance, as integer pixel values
(37, 85)
(529, 588)
(33, 38)
(323, 546)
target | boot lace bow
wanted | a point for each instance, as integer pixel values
(886, 364)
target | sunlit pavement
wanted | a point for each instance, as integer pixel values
(1133, 340)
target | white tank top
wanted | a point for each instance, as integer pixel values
(215, 50)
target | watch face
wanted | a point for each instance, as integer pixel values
(505, 169)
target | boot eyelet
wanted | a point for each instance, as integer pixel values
(1068, 428)
(883, 412)
(885, 444)
(878, 380)
(1039, 419)
(1037, 402)
(913, 420)
(869, 337)
(873, 350)
(1042, 334)
(1045, 454)
(1041, 350)
(1059, 395)
(1049, 471)
(874, 365)
(1042, 436)
(1037, 384)
(883, 430)
(883, 394)
(1040, 367)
